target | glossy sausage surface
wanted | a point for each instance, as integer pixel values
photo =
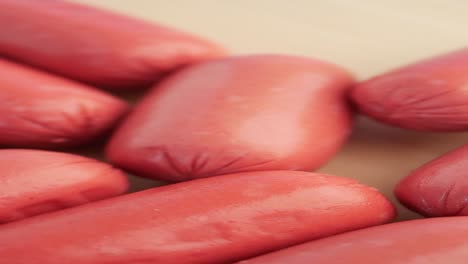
(438, 188)
(95, 46)
(248, 113)
(213, 220)
(42, 110)
(34, 182)
(428, 95)
(424, 241)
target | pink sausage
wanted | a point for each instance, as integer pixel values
(212, 220)
(427, 241)
(41, 110)
(95, 46)
(440, 187)
(34, 182)
(429, 95)
(248, 113)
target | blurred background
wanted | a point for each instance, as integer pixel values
(366, 36)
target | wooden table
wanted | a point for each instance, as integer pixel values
(365, 36)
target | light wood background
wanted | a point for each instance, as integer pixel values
(365, 36)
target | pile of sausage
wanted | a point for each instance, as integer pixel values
(235, 134)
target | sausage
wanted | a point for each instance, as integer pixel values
(35, 181)
(422, 241)
(247, 113)
(39, 110)
(440, 187)
(95, 46)
(429, 95)
(211, 220)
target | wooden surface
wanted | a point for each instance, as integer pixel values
(365, 36)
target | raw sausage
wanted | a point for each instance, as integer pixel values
(440, 187)
(41, 110)
(34, 182)
(247, 113)
(94, 46)
(212, 220)
(429, 95)
(434, 241)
